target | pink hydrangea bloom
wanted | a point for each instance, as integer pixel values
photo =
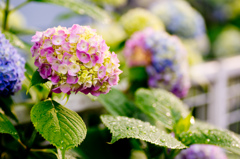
(75, 59)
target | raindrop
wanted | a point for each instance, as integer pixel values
(163, 140)
(61, 142)
(154, 105)
(192, 120)
(167, 114)
(208, 140)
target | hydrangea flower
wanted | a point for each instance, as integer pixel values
(200, 151)
(163, 56)
(227, 43)
(11, 68)
(179, 18)
(75, 59)
(138, 19)
(113, 33)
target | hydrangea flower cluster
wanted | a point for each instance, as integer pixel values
(75, 59)
(11, 68)
(227, 43)
(138, 19)
(200, 151)
(179, 18)
(163, 56)
(112, 33)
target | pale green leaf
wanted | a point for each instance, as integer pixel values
(161, 105)
(183, 124)
(7, 127)
(81, 7)
(62, 127)
(203, 133)
(15, 41)
(123, 127)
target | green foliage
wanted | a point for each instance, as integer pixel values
(123, 127)
(5, 104)
(137, 74)
(117, 103)
(15, 41)
(161, 105)
(95, 146)
(62, 127)
(81, 7)
(183, 124)
(37, 79)
(203, 133)
(7, 127)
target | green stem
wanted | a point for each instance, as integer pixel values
(20, 6)
(44, 150)
(24, 146)
(61, 153)
(5, 19)
(34, 134)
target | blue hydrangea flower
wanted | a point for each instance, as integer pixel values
(11, 68)
(164, 57)
(199, 151)
(180, 18)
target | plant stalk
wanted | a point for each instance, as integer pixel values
(61, 153)
(5, 19)
(20, 6)
(31, 141)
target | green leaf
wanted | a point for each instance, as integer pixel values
(123, 127)
(7, 127)
(81, 7)
(5, 104)
(37, 79)
(62, 127)
(15, 41)
(183, 124)
(203, 133)
(161, 105)
(117, 103)
(67, 15)
(22, 31)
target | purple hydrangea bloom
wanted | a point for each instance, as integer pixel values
(163, 56)
(200, 151)
(11, 68)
